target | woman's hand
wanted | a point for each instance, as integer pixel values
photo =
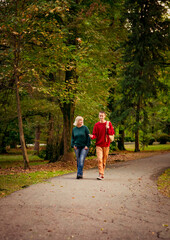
(86, 148)
(75, 148)
(91, 135)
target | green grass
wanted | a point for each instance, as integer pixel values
(16, 160)
(164, 183)
(156, 147)
(14, 182)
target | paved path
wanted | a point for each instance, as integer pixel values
(125, 206)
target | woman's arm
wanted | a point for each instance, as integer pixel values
(72, 139)
(88, 142)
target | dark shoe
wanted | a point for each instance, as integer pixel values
(79, 176)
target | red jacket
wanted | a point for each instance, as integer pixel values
(99, 132)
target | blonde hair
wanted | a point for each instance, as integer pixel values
(77, 119)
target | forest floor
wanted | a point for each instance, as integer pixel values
(13, 177)
(90, 162)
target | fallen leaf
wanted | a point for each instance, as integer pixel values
(165, 225)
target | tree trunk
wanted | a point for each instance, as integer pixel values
(3, 144)
(68, 107)
(50, 139)
(16, 78)
(37, 139)
(58, 150)
(137, 128)
(121, 141)
(68, 118)
(21, 132)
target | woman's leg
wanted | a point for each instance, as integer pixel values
(77, 152)
(83, 154)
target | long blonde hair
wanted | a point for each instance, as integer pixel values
(77, 119)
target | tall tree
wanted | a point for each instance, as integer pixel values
(12, 41)
(143, 55)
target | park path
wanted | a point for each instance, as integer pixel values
(125, 206)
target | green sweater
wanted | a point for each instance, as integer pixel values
(80, 137)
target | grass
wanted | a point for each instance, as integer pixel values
(14, 182)
(13, 160)
(164, 183)
(156, 147)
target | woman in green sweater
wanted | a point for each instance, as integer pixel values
(80, 141)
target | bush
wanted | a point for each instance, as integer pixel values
(129, 139)
(163, 138)
(92, 149)
(151, 140)
(113, 146)
(42, 154)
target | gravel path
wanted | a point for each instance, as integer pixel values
(125, 206)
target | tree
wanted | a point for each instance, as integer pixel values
(143, 56)
(12, 42)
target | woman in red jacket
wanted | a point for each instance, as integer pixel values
(102, 142)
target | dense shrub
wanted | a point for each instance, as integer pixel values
(129, 139)
(42, 153)
(163, 138)
(151, 140)
(113, 146)
(92, 149)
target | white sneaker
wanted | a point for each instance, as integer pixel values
(99, 177)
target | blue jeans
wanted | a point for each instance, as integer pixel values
(81, 154)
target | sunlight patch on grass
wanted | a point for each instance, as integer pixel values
(14, 182)
(164, 183)
(7, 161)
(156, 147)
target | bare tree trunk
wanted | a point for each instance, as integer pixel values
(137, 128)
(37, 139)
(3, 144)
(50, 139)
(16, 77)
(121, 141)
(68, 109)
(68, 116)
(21, 132)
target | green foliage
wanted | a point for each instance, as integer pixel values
(42, 153)
(129, 139)
(151, 140)
(113, 146)
(92, 149)
(163, 138)
(144, 59)
(70, 52)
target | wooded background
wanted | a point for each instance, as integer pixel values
(63, 58)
